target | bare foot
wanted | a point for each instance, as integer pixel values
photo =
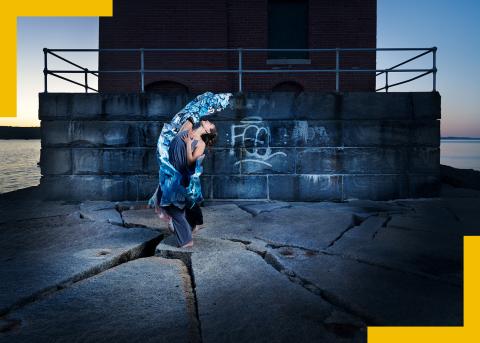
(189, 244)
(197, 228)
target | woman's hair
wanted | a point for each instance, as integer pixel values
(209, 138)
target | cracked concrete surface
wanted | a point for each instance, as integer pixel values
(258, 271)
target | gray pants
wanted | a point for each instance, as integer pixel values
(183, 230)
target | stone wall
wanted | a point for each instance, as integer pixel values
(314, 146)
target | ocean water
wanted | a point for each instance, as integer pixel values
(462, 153)
(19, 158)
(18, 164)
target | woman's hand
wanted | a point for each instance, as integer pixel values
(187, 138)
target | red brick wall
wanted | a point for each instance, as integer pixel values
(231, 24)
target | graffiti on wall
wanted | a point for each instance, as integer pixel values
(253, 135)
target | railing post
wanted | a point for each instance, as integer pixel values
(386, 81)
(142, 65)
(434, 68)
(45, 70)
(337, 67)
(240, 68)
(86, 80)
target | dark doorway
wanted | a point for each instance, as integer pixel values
(288, 28)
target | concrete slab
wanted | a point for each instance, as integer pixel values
(226, 220)
(24, 209)
(432, 216)
(302, 226)
(382, 296)
(111, 216)
(143, 218)
(358, 206)
(241, 298)
(259, 207)
(426, 253)
(142, 300)
(37, 257)
(97, 205)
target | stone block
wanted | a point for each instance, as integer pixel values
(424, 160)
(149, 131)
(374, 160)
(319, 160)
(206, 185)
(141, 187)
(270, 105)
(122, 106)
(82, 106)
(305, 187)
(163, 107)
(305, 133)
(426, 105)
(376, 105)
(375, 133)
(86, 161)
(127, 161)
(55, 133)
(316, 106)
(222, 161)
(375, 187)
(47, 107)
(239, 186)
(267, 161)
(81, 187)
(55, 161)
(426, 132)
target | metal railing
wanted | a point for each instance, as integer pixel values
(240, 70)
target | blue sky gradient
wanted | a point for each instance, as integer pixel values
(452, 26)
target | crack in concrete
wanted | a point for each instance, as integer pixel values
(244, 210)
(410, 208)
(254, 214)
(452, 212)
(276, 245)
(192, 300)
(384, 224)
(395, 269)
(120, 210)
(330, 298)
(356, 221)
(143, 250)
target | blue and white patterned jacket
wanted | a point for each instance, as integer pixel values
(172, 191)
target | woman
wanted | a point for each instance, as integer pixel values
(184, 150)
(171, 187)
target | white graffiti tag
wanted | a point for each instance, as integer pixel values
(254, 138)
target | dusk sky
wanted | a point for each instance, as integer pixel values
(452, 26)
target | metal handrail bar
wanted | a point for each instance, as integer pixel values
(244, 70)
(399, 83)
(240, 71)
(244, 49)
(72, 81)
(72, 63)
(404, 62)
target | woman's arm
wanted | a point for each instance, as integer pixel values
(199, 149)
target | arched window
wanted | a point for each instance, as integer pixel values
(288, 86)
(166, 86)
